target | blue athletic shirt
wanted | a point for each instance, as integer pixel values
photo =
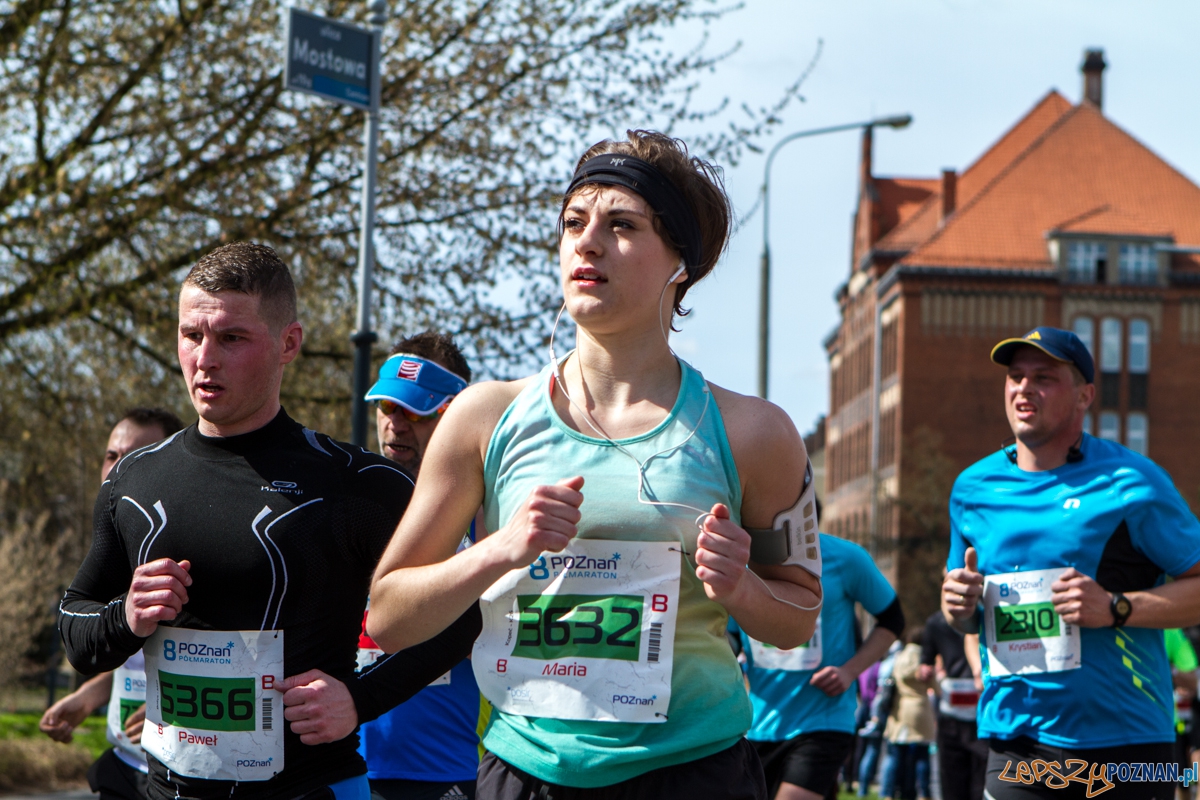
(785, 703)
(1116, 516)
(433, 737)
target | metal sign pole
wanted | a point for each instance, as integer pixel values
(364, 337)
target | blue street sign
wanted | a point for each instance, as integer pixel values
(331, 59)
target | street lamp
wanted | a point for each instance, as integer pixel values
(764, 297)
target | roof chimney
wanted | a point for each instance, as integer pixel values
(864, 164)
(949, 193)
(1093, 77)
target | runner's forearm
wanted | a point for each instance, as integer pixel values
(1172, 605)
(763, 617)
(95, 691)
(873, 648)
(413, 604)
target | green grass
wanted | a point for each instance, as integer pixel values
(89, 735)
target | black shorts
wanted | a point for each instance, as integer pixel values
(732, 774)
(116, 780)
(422, 790)
(1023, 769)
(810, 761)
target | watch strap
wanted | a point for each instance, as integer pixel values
(1121, 608)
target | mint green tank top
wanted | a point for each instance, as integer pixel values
(709, 709)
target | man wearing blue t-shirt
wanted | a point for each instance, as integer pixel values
(428, 747)
(803, 712)
(1060, 548)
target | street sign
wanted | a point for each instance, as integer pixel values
(331, 59)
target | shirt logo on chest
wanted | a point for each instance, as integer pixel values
(283, 487)
(1071, 502)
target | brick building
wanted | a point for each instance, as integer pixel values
(1066, 220)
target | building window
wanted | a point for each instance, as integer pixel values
(1138, 264)
(1110, 426)
(1087, 262)
(1136, 433)
(1139, 362)
(1110, 344)
(1109, 387)
(1085, 329)
(1087, 424)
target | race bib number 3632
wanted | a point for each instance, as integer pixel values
(212, 709)
(584, 634)
(1024, 634)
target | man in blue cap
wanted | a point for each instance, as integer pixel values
(1060, 548)
(428, 747)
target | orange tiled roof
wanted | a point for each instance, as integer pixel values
(924, 222)
(1082, 162)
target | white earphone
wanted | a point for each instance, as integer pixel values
(557, 365)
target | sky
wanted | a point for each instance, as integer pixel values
(966, 71)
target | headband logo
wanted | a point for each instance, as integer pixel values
(409, 370)
(616, 162)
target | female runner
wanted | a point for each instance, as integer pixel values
(617, 483)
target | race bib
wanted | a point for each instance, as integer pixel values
(588, 633)
(803, 658)
(128, 695)
(212, 709)
(1024, 634)
(959, 698)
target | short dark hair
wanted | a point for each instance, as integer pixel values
(145, 417)
(439, 347)
(252, 269)
(699, 182)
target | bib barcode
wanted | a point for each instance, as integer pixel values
(266, 713)
(654, 646)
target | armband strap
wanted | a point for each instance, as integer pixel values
(794, 539)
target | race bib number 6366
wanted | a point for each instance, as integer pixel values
(212, 707)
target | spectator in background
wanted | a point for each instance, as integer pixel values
(910, 725)
(120, 772)
(962, 758)
(870, 729)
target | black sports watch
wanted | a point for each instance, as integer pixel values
(1121, 608)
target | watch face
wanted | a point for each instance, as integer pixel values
(1124, 607)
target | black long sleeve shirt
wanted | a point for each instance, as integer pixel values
(283, 528)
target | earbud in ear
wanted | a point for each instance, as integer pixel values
(678, 272)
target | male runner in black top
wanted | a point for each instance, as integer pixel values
(962, 758)
(239, 542)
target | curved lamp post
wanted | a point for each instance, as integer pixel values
(764, 298)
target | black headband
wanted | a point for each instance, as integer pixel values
(663, 196)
